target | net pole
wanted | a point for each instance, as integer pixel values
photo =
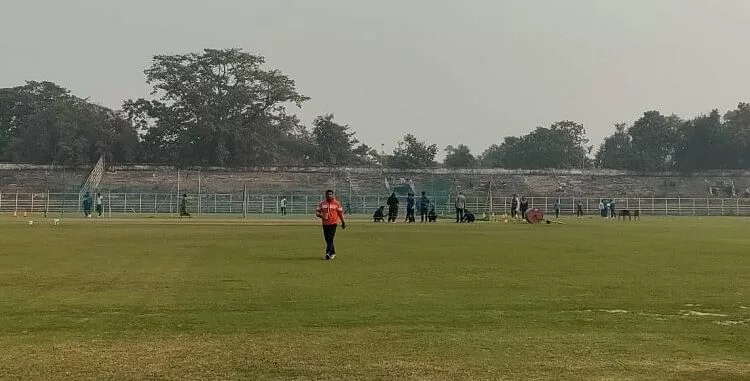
(62, 208)
(46, 191)
(244, 200)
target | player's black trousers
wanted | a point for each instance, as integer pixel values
(329, 232)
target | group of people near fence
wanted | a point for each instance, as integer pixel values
(426, 209)
(88, 201)
(607, 209)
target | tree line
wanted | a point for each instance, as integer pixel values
(225, 108)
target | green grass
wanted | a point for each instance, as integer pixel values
(213, 299)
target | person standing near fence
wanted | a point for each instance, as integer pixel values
(524, 206)
(87, 201)
(99, 204)
(579, 209)
(460, 207)
(514, 205)
(424, 207)
(410, 208)
(330, 213)
(283, 206)
(557, 208)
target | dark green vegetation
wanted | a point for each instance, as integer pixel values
(210, 299)
(224, 107)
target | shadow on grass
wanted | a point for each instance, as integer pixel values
(294, 259)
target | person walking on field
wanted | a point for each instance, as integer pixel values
(183, 206)
(579, 209)
(331, 214)
(460, 207)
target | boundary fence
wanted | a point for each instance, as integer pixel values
(244, 204)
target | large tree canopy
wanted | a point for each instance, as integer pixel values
(335, 144)
(42, 123)
(459, 157)
(562, 145)
(656, 142)
(412, 153)
(219, 107)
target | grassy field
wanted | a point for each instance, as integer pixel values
(662, 299)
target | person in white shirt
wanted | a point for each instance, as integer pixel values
(460, 206)
(283, 206)
(99, 204)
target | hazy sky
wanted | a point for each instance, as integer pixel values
(470, 71)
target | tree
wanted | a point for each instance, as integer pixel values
(702, 144)
(737, 131)
(412, 153)
(336, 145)
(496, 155)
(616, 152)
(560, 146)
(43, 123)
(459, 157)
(654, 141)
(218, 107)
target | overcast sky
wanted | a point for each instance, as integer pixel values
(470, 71)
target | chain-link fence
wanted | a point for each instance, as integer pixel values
(239, 204)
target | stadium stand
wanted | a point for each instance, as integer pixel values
(371, 181)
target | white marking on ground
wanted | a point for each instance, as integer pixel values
(648, 314)
(730, 322)
(614, 311)
(698, 313)
(743, 308)
(692, 305)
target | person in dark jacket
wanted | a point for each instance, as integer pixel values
(468, 217)
(424, 208)
(87, 202)
(379, 215)
(183, 206)
(431, 215)
(410, 208)
(523, 207)
(392, 208)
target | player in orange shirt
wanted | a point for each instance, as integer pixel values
(330, 212)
